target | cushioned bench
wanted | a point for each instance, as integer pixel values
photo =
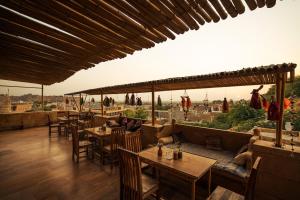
(193, 140)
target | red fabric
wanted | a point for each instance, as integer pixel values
(265, 103)
(225, 108)
(273, 111)
(189, 103)
(183, 102)
(255, 101)
(286, 103)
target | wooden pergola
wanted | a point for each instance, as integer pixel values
(47, 42)
(278, 74)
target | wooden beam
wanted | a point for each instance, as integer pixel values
(17, 86)
(80, 103)
(280, 93)
(101, 104)
(43, 98)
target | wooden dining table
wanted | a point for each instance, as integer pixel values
(98, 132)
(190, 167)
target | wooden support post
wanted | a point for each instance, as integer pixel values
(280, 93)
(101, 104)
(80, 103)
(153, 107)
(43, 97)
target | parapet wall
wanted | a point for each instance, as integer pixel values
(13, 121)
(279, 173)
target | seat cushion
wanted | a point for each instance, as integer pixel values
(84, 143)
(149, 184)
(221, 193)
(54, 125)
(107, 148)
(224, 159)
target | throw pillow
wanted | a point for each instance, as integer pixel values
(166, 140)
(166, 131)
(112, 123)
(123, 121)
(251, 142)
(213, 142)
(244, 159)
(130, 125)
(136, 126)
(243, 149)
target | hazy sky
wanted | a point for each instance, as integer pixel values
(261, 37)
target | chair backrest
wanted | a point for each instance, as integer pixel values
(250, 188)
(132, 141)
(75, 136)
(130, 175)
(117, 138)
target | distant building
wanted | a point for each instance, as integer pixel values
(21, 107)
(5, 104)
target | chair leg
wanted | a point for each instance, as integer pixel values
(49, 132)
(157, 195)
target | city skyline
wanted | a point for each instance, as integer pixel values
(198, 52)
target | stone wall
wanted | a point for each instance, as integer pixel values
(13, 121)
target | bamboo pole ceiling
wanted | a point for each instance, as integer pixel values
(53, 39)
(247, 76)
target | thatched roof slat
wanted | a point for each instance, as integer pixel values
(91, 13)
(217, 5)
(270, 3)
(261, 3)
(74, 35)
(251, 4)
(245, 76)
(209, 10)
(181, 13)
(167, 12)
(189, 9)
(239, 6)
(128, 22)
(22, 31)
(229, 8)
(200, 11)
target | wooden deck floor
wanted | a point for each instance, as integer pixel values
(32, 166)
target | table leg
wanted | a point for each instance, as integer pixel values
(209, 181)
(101, 151)
(193, 194)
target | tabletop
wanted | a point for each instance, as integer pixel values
(97, 131)
(192, 166)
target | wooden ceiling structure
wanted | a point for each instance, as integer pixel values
(248, 76)
(47, 42)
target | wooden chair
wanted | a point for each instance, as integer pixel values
(71, 120)
(133, 184)
(79, 146)
(53, 127)
(116, 141)
(222, 193)
(133, 142)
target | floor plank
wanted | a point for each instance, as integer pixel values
(32, 166)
